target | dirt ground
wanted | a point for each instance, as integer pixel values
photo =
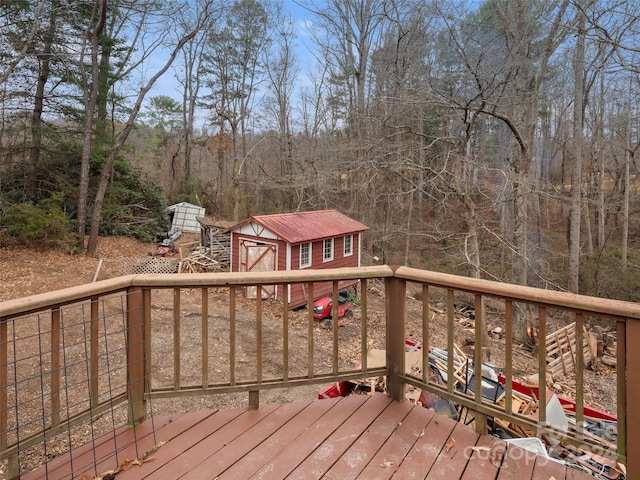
(24, 272)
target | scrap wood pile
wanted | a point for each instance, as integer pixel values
(196, 258)
(599, 347)
(599, 427)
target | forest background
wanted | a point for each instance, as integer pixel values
(494, 139)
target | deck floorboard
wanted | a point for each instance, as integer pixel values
(356, 437)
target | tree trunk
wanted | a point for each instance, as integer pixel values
(519, 262)
(235, 174)
(601, 160)
(588, 233)
(625, 202)
(576, 172)
(36, 117)
(90, 101)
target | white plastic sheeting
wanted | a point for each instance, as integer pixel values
(183, 216)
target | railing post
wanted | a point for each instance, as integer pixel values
(94, 367)
(395, 294)
(135, 348)
(13, 467)
(632, 427)
(254, 400)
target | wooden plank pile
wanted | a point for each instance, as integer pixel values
(561, 350)
(598, 347)
(196, 258)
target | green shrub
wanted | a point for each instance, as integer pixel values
(353, 298)
(37, 226)
(134, 205)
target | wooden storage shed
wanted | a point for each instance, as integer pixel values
(295, 241)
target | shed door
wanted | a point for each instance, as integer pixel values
(258, 257)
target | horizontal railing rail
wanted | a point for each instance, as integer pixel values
(110, 349)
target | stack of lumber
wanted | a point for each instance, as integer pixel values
(561, 350)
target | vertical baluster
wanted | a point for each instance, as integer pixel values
(579, 375)
(259, 334)
(310, 330)
(335, 322)
(254, 395)
(146, 306)
(450, 346)
(508, 357)
(285, 332)
(232, 336)
(425, 333)
(176, 339)
(542, 365)
(55, 366)
(481, 419)
(364, 346)
(94, 353)
(205, 337)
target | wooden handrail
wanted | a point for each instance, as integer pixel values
(570, 301)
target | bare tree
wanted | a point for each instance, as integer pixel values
(616, 27)
(281, 70)
(235, 57)
(506, 50)
(400, 126)
(128, 126)
(576, 176)
(347, 32)
(188, 76)
(91, 41)
(44, 59)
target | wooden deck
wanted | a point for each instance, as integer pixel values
(361, 436)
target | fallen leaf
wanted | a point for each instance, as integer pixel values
(496, 456)
(480, 449)
(450, 444)
(387, 464)
(622, 468)
(108, 474)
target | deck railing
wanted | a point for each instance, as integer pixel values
(82, 361)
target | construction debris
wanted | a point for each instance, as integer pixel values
(598, 426)
(561, 350)
(198, 260)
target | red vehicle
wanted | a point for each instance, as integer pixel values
(323, 308)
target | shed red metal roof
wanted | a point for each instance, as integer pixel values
(301, 227)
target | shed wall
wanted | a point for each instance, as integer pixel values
(298, 295)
